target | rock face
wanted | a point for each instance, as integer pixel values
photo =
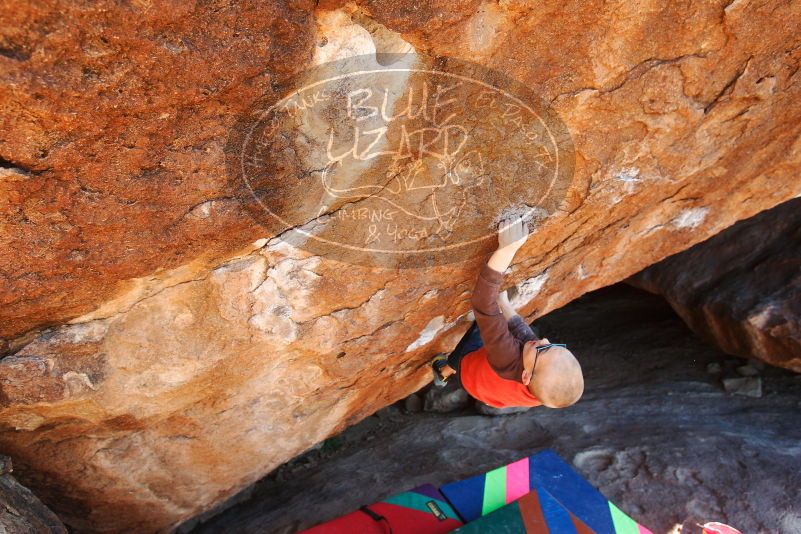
(20, 511)
(163, 351)
(742, 288)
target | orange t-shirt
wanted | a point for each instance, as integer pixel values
(483, 383)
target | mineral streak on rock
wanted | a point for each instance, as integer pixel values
(173, 352)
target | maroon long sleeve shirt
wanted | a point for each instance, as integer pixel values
(503, 340)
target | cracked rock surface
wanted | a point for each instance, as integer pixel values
(161, 353)
(654, 432)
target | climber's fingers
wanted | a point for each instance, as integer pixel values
(512, 231)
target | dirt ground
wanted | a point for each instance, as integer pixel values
(655, 432)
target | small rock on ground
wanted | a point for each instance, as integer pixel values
(413, 404)
(750, 386)
(445, 400)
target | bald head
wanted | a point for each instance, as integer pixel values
(558, 381)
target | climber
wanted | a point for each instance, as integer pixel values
(500, 361)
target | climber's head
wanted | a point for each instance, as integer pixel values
(552, 374)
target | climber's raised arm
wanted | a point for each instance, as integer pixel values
(517, 325)
(496, 330)
(512, 234)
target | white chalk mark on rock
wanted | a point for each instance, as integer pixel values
(433, 327)
(690, 218)
(629, 174)
(528, 289)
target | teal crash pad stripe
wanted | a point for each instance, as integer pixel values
(416, 501)
(556, 516)
(507, 520)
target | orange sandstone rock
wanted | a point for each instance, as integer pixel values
(165, 352)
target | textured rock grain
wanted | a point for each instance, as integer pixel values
(171, 355)
(20, 511)
(742, 288)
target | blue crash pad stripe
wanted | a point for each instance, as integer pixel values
(548, 471)
(556, 517)
(466, 497)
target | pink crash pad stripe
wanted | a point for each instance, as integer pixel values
(644, 530)
(517, 483)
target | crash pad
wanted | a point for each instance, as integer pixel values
(422, 510)
(536, 512)
(557, 486)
